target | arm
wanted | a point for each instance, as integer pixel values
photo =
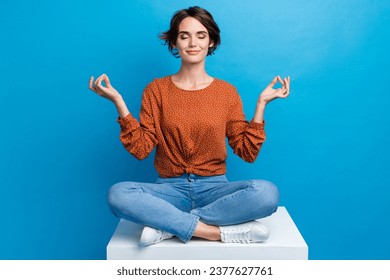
(245, 138)
(138, 138)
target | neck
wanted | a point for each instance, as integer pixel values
(192, 74)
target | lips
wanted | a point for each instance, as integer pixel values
(193, 52)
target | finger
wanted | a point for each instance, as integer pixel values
(273, 82)
(98, 79)
(287, 92)
(281, 92)
(98, 82)
(107, 80)
(103, 78)
(288, 84)
(281, 81)
(91, 87)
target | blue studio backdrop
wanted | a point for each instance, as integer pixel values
(327, 145)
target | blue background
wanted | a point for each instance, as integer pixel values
(327, 147)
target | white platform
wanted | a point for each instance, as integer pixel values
(285, 243)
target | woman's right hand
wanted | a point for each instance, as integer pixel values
(107, 91)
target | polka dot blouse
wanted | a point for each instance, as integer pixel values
(189, 128)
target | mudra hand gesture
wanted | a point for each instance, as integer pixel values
(107, 91)
(270, 93)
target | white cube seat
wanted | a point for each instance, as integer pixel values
(285, 243)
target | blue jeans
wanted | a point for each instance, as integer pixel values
(175, 205)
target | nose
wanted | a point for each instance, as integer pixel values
(192, 42)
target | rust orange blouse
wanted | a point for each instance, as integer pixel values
(189, 128)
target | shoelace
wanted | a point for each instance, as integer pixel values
(236, 235)
(163, 235)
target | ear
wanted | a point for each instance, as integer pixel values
(211, 44)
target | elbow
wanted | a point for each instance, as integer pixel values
(250, 159)
(139, 147)
(140, 156)
(251, 156)
(136, 151)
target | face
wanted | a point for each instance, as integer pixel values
(193, 41)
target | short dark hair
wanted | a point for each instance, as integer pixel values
(203, 16)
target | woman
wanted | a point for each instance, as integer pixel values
(187, 117)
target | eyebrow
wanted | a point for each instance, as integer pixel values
(186, 32)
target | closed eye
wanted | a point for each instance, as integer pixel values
(200, 34)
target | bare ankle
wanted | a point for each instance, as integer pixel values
(208, 232)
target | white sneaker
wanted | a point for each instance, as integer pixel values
(250, 232)
(152, 236)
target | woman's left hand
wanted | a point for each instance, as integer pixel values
(270, 93)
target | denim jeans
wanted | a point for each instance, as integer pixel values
(175, 205)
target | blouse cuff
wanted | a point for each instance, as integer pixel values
(256, 125)
(127, 121)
